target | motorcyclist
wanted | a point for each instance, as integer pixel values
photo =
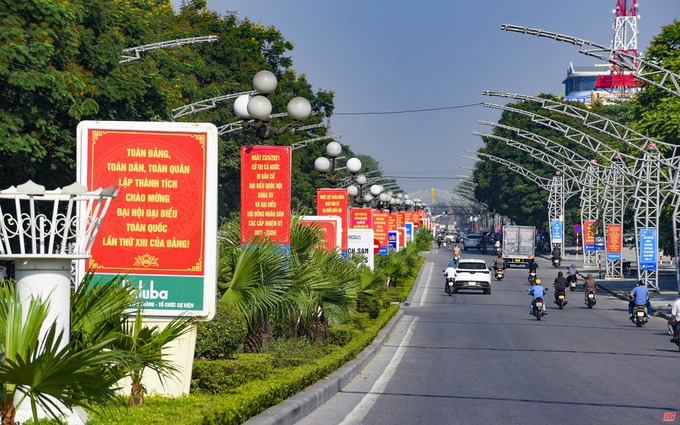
(556, 253)
(499, 263)
(674, 320)
(450, 272)
(497, 245)
(537, 291)
(639, 296)
(560, 285)
(533, 266)
(572, 273)
(439, 241)
(589, 284)
(456, 253)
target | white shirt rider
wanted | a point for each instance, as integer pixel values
(450, 272)
(675, 310)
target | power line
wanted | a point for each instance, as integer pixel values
(408, 111)
(427, 178)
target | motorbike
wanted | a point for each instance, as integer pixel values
(561, 299)
(532, 278)
(556, 261)
(538, 308)
(499, 274)
(571, 280)
(449, 285)
(482, 248)
(456, 259)
(639, 315)
(497, 249)
(590, 299)
(672, 326)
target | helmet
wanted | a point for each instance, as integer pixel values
(538, 281)
(451, 265)
(641, 283)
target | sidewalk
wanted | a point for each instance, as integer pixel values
(620, 288)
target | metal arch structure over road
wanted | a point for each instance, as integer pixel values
(642, 70)
(650, 193)
(557, 194)
(612, 206)
(590, 181)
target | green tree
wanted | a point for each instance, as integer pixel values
(46, 372)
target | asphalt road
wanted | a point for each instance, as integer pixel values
(481, 359)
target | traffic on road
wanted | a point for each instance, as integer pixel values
(477, 357)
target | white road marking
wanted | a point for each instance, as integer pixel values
(357, 415)
(423, 295)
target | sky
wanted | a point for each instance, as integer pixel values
(408, 76)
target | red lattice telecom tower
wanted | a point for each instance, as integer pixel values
(625, 40)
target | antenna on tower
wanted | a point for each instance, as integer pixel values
(625, 41)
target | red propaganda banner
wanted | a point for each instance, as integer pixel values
(156, 225)
(160, 233)
(330, 226)
(334, 202)
(265, 193)
(589, 229)
(380, 227)
(392, 222)
(414, 217)
(361, 218)
(402, 236)
(614, 238)
(401, 219)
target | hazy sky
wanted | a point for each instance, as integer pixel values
(380, 56)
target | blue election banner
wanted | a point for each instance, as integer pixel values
(392, 240)
(599, 243)
(556, 231)
(649, 248)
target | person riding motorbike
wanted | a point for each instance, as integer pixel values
(450, 272)
(533, 266)
(537, 291)
(639, 296)
(560, 285)
(439, 241)
(589, 284)
(556, 253)
(572, 273)
(499, 264)
(456, 254)
(497, 246)
(674, 320)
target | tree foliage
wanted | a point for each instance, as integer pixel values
(60, 64)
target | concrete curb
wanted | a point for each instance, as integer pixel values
(302, 404)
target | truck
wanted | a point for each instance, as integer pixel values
(519, 245)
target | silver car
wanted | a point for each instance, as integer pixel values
(471, 241)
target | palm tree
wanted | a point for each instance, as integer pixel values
(100, 312)
(325, 285)
(145, 345)
(253, 278)
(33, 368)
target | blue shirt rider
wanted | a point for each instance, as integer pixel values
(639, 296)
(538, 291)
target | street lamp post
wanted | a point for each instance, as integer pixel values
(327, 165)
(255, 110)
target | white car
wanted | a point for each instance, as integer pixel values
(471, 241)
(472, 274)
